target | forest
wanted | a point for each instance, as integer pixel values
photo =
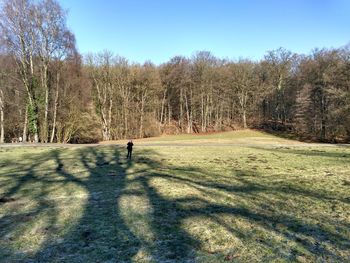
(51, 93)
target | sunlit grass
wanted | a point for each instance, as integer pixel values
(238, 137)
(175, 204)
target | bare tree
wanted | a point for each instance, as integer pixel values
(242, 79)
(146, 82)
(2, 109)
(278, 68)
(50, 21)
(100, 68)
(64, 100)
(20, 35)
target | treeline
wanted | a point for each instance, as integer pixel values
(49, 93)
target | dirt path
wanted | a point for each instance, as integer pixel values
(174, 144)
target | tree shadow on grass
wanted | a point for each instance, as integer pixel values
(100, 234)
(126, 216)
(312, 234)
(327, 152)
(105, 231)
(18, 218)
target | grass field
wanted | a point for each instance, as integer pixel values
(190, 203)
(233, 137)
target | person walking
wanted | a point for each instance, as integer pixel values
(129, 147)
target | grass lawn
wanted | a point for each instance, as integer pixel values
(175, 204)
(244, 137)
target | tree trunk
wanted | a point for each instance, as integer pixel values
(55, 109)
(109, 123)
(244, 119)
(2, 132)
(46, 113)
(202, 113)
(25, 125)
(243, 103)
(104, 131)
(163, 106)
(188, 115)
(36, 136)
(323, 118)
(104, 125)
(169, 113)
(126, 113)
(206, 113)
(32, 104)
(102, 97)
(141, 117)
(181, 110)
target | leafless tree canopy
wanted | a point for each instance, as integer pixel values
(49, 93)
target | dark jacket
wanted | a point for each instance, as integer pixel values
(129, 146)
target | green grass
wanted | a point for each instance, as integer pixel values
(175, 204)
(231, 135)
(243, 137)
(219, 135)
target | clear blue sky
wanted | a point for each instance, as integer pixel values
(160, 29)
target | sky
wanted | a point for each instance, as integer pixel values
(158, 30)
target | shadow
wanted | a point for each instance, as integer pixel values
(101, 233)
(283, 134)
(18, 218)
(113, 210)
(340, 155)
(104, 233)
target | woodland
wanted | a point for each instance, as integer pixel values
(49, 92)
